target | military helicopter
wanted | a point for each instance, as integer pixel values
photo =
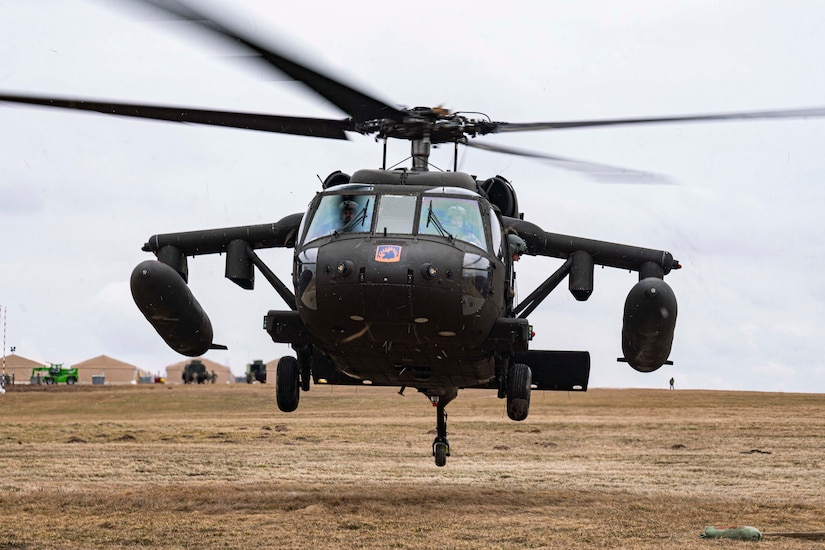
(401, 277)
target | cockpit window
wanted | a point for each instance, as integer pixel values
(341, 214)
(396, 214)
(451, 216)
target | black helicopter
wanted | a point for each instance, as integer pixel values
(401, 277)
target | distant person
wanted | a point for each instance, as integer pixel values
(672, 382)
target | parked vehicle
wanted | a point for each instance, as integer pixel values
(55, 373)
(256, 372)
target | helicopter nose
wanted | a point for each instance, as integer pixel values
(397, 288)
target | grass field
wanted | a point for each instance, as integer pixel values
(220, 467)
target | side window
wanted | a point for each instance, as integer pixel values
(475, 283)
(495, 231)
(396, 214)
(448, 216)
(342, 214)
(304, 277)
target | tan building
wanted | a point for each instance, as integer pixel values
(112, 370)
(174, 372)
(20, 368)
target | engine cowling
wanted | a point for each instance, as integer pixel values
(501, 193)
(648, 326)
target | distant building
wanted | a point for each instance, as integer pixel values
(113, 370)
(20, 368)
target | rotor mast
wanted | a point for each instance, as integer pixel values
(420, 152)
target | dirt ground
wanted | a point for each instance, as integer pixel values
(219, 466)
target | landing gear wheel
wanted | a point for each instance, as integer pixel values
(287, 384)
(519, 379)
(441, 450)
(441, 447)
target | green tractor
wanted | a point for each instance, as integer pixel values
(54, 374)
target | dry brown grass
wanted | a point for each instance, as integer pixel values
(221, 467)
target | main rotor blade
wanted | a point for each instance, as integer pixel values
(601, 172)
(315, 127)
(359, 105)
(500, 127)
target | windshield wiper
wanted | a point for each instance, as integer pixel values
(432, 218)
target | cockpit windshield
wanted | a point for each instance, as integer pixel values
(396, 214)
(451, 216)
(446, 216)
(341, 214)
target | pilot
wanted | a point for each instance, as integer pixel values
(456, 215)
(517, 246)
(347, 209)
(462, 230)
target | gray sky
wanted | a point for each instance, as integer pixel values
(80, 193)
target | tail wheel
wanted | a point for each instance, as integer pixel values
(519, 379)
(287, 384)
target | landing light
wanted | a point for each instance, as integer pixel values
(429, 271)
(356, 317)
(420, 320)
(343, 268)
(446, 333)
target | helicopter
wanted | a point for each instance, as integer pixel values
(399, 294)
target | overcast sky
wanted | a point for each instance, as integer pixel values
(80, 193)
